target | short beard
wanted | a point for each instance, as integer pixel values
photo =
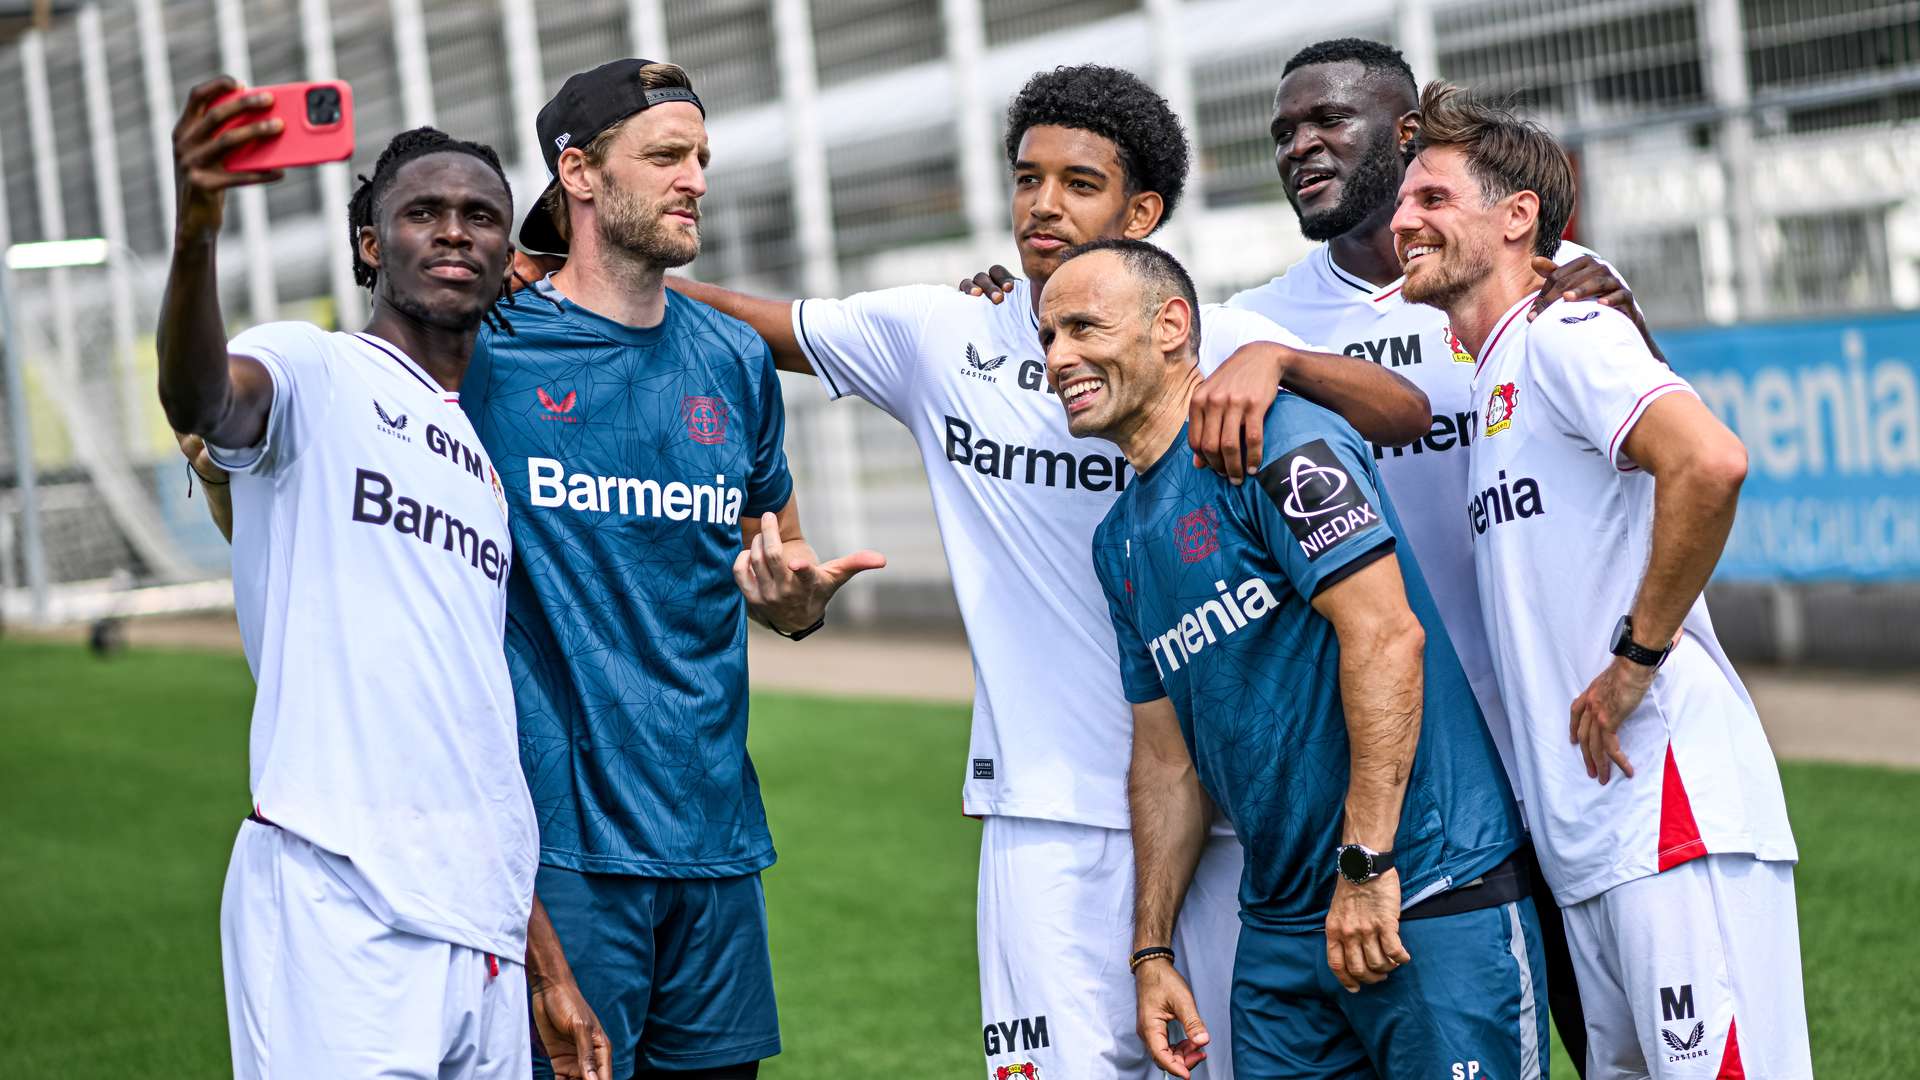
(1451, 281)
(1373, 183)
(626, 224)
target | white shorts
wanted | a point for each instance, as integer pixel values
(317, 987)
(1694, 973)
(1055, 935)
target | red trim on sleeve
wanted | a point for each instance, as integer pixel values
(1730, 1068)
(1679, 835)
(1638, 408)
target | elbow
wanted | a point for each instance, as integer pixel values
(185, 414)
(1720, 470)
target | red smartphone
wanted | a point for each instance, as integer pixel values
(319, 127)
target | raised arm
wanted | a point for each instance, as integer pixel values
(1697, 466)
(771, 319)
(1381, 684)
(1228, 411)
(1169, 814)
(204, 390)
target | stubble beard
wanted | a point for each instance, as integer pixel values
(458, 321)
(640, 230)
(1443, 286)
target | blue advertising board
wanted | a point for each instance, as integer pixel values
(1830, 413)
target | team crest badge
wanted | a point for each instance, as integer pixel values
(1500, 408)
(1025, 1070)
(706, 419)
(1196, 535)
(1460, 353)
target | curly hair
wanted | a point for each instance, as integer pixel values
(1118, 106)
(363, 208)
(1377, 57)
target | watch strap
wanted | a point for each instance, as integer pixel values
(1628, 649)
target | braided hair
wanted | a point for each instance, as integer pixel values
(363, 208)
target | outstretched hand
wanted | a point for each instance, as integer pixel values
(200, 149)
(785, 583)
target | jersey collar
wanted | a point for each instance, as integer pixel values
(394, 353)
(1501, 328)
(1379, 299)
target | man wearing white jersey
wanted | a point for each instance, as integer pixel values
(375, 915)
(1602, 492)
(1093, 153)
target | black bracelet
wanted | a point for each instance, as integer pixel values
(798, 634)
(1147, 954)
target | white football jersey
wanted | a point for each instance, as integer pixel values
(1562, 525)
(1017, 499)
(370, 562)
(1426, 479)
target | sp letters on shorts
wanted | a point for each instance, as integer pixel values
(1317, 498)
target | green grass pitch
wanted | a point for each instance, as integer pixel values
(122, 784)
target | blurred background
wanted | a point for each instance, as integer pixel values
(1749, 166)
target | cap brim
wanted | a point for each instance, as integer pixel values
(537, 233)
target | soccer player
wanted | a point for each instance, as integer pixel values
(375, 915)
(1282, 651)
(640, 435)
(1093, 152)
(1601, 495)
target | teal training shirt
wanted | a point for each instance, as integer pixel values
(1210, 584)
(630, 457)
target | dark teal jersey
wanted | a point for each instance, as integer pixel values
(629, 458)
(1210, 584)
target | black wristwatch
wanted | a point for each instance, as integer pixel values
(1360, 864)
(1625, 646)
(798, 634)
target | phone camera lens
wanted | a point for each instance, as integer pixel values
(323, 106)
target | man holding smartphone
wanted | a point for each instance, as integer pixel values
(375, 915)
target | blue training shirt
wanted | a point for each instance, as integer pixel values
(630, 457)
(1209, 585)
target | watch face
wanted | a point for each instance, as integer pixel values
(1355, 865)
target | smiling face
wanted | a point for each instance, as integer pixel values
(646, 193)
(1069, 187)
(440, 240)
(1107, 354)
(1446, 234)
(1338, 131)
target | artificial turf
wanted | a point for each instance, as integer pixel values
(123, 781)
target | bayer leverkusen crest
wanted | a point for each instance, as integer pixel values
(1025, 1070)
(1500, 408)
(706, 419)
(1195, 535)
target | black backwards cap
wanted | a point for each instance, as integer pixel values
(588, 103)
